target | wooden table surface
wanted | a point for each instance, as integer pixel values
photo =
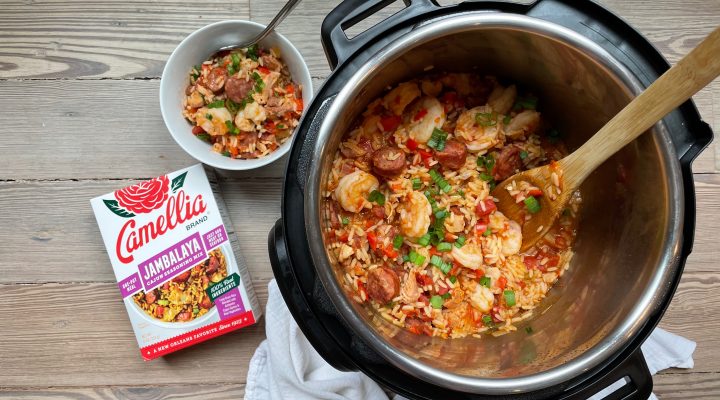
(79, 109)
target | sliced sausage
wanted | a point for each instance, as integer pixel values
(184, 316)
(388, 162)
(378, 211)
(507, 163)
(182, 277)
(205, 302)
(213, 264)
(237, 88)
(150, 296)
(383, 285)
(453, 155)
(216, 78)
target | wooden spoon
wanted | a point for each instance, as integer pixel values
(674, 87)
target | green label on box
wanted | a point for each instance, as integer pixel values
(224, 286)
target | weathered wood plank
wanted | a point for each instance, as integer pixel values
(79, 335)
(100, 39)
(60, 230)
(219, 391)
(669, 386)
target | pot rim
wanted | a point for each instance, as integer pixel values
(615, 341)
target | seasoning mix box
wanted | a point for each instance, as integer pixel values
(176, 260)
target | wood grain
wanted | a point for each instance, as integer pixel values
(217, 391)
(42, 39)
(695, 386)
(79, 335)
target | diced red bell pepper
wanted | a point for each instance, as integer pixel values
(390, 123)
(390, 251)
(479, 273)
(299, 105)
(502, 282)
(535, 192)
(159, 311)
(420, 114)
(196, 130)
(442, 290)
(264, 70)
(488, 205)
(372, 240)
(482, 224)
(290, 89)
(411, 145)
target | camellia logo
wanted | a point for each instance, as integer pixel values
(145, 197)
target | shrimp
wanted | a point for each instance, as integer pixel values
(352, 190)
(509, 231)
(482, 298)
(523, 124)
(502, 98)
(400, 97)
(454, 223)
(469, 256)
(415, 215)
(432, 115)
(409, 291)
(213, 120)
(511, 238)
(248, 117)
(478, 136)
(195, 100)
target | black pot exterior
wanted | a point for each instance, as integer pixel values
(288, 245)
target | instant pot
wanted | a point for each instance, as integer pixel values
(637, 220)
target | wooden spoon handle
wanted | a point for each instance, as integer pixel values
(695, 71)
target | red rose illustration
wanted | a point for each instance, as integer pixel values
(145, 196)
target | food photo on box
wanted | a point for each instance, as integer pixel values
(367, 200)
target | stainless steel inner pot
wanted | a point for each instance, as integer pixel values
(628, 241)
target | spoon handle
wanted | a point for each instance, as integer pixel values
(693, 72)
(284, 12)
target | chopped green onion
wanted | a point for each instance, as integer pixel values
(446, 296)
(485, 281)
(406, 258)
(398, 241)
(377, 197)
(437, 139)
(487, 320)
(460, 241)
(345, 220)
(424, 240)
(453, 279)
(492, 185)
(196, 310)
(486, 119)
(526, 103)
(441, 214)
(235, 60)
(208, 116)
(232, 106)
(440, 181)
(416, 183)
(259, 83)
(217, 104)
(203, 136)
(487, 232)
(226, 153)
(232, 129)
(444, 246)
(487, 162)
(436, 302)
(163, 302)
(509, 297)
(415, 258)
(532, 205)
(523, 154)
(461, 193)
(231, 69)
(507, 119)
(529, 330)
(252, 52)
(486, 177)
(442, 265)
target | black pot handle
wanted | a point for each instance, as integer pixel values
(338, 47)
(634, 370)
(298, 305)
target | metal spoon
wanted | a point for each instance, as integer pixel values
(284, 12)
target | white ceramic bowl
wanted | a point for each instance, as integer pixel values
(195, 49)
